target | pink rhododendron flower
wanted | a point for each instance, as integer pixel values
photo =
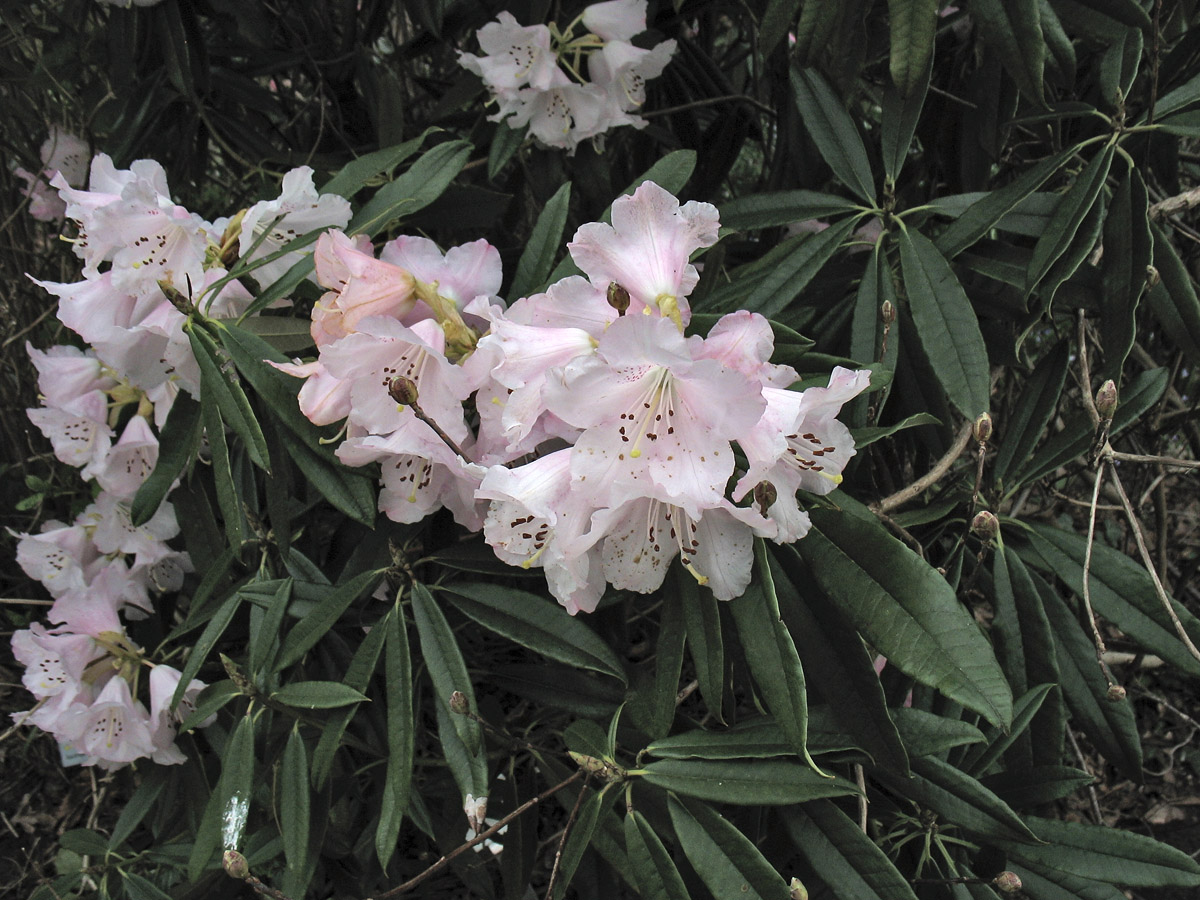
(64, 156)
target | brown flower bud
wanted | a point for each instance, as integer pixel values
(1152, 277)
(618, 298)
(177, 299)
(403, 390)
(765, 496)
(1106, 399)
(887, 312)
(1007, 882)
(235, 865)
(1116, 693)
(459, 704)
(797, 890)
(982, 429)
(985, 525)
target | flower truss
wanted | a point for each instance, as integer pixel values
(582, 430)
(536, 72)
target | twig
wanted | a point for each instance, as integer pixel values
(1097, 640)
(1177, 204)
(478, 839)
(1158, 460)
(1085, 373)
(710, 101)
(902, 533)
(861, 780)
(563, 841)
(1148, 562)
(1096, 814)
(930, 478)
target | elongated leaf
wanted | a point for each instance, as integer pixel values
(771, 653)
(836, 847)
(294, 800)
(1108, 854)
(766, 782)
(1128, 250)
(537, 259)
(358, 674)
(946, 324)
(1173, 300)
(228, 499)
(1014, 27)
(706, 645)
(927, 734)
(756, 739)
(228, 806)
(817, 21)
(578, 840)
(913, 27)
(668, 661)
(265, 641)
(447, 669)
(535, 623)
(208, 638)
(876, 287)
(866, 436)
(284, 333)
(1032, 413)
(1109, 726)
(792, 275)
(1127, 12)
(400, 734)
(1139, 395)
(979, 760)
(138, 805)
(840, 668)
(217, 381)
(423, 183)
(650, 863)
(317, 695)
(178, 441)
(1121, 591)
(906, 610)
(753, 211)
(504, 146)
(346, 489)
(1034, 786)
(305, 633)
(902, 105)
(1042, 885)
(212, 699)
(833, 131)
(959, 799)
(353, 176)
(776, 22)
(983, 214)
(726, 861)
(1068, 217)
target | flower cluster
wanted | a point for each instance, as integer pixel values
(62, 154)
(139, 249)
(536, 72)
(600, 441)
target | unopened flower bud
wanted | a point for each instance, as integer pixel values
(797, 890)
(982, 429)
(985, 525)
(403, 390)
(1007, 882)
(235, 865)
(476, 810)
(887, 312)
(1106, 399)
(459, 704)
(177, 300)
(765, 496)
(618, 298)
(1152, 277)
(1116, 693)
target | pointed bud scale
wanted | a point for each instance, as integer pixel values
(459, 704)
(1007, 882)
(887, 312)
(985, 526)
(1116, 693)
(403, 390)
(765, 496)
(235, 865)
(797, 890)
(981, 430)
(618, 298)
(1106, 399)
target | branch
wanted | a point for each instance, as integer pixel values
(930, 478)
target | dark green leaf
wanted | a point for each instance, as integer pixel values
(776, 22)
(446, 667)
(353, 176)
(979, 760)
(305, 633)
(817, 21)
(1127, 12)
(294, 800)
(140, 802)
(844, 854)
(926, 734)
(726, 861)
(228, 806)
(504, 146)
(946, 324)
(766, 782)
(1173, 300)
(219, 381)
(834, 132)
(317, 695)
(784, 282)
(650, 863)
(668, 660)
(1035, 786)
(578, 840)
(265, 641)
(400, 734)
(358, 674)
(902, 105)
(212, 699)
(754, 211)
(284, 333)
(538, 624)
(178, 441)
(1014, 27)
(866, 436)
(913, 28)
(702, 619)
(208, 638)
(1033, 411)
(537, 259)
(423, 183)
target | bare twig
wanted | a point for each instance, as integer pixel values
(1096, 814)
(1097, 640)
(1177, 204)
(563, 842)
(1085, 373)
(930, 478)
(861, 780)
(1158, 460)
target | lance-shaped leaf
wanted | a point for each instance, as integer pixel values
(753, 211)
(218, 380)
(1127, 12)
(705, 642)
(958, 799)
(776, 22)
(1038, 884)
(1121, 591)
(946, 324)
(335, 601)
(578, 840)
(1068, 217)
(1014, 28)
(401, 732)
(765, 782)
(650, 863)
(294, 800)
(906, 610)
(913, 28)
(833, 131)
(1107, 854)
(843, 853)
(1034, 786)
(358, 674)
(353, 176)
(506, 141)
(1173, 300)
(817, 21)
(317, 695)
(902, 105)
(724, 858)
(538, 624)
(783, 282)
(668, 661)
(537, 259)
(447, 669)
(179, 439)
(204, 644)
(876, 287)
(423, 183)
(1128, 250)
(1033, 411)
(1026, 706)
(228, 806)
(927, 734)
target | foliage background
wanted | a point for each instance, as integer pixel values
(230, 95)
